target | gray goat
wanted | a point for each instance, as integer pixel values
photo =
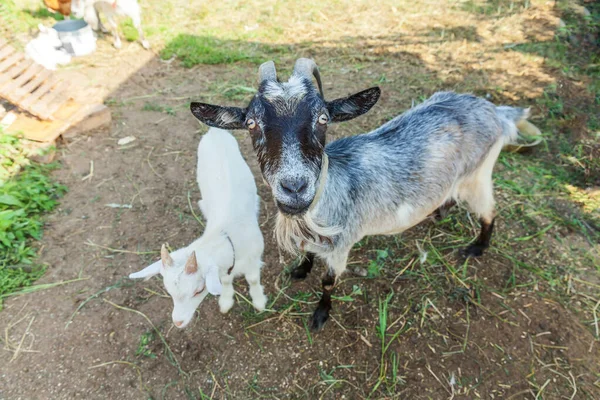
(378, 183)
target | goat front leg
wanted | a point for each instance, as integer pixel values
(336, 266)
(301, 270)
(227, 292)
(259, 300)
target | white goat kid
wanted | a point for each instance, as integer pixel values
(89, 10)
(232, 243)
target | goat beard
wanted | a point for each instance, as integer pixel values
(293, 234)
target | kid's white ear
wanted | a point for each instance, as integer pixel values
(213, 282)
(148, 272)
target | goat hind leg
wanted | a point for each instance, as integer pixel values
(482, 203)
(137, 23)
(145, 43)
(100, 26)
(477, 248)
(114, 28)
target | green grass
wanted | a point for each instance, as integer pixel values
(382, 333)
(192, 50)
(556, 191)
(128, 31)
(556, 180)
(233, 91)
(13, 19)
(549, 190)
(26, 193)
(553, 51)
(43, 13)
(146, 340)
(375, 266)
(149, 106)
(494, 7)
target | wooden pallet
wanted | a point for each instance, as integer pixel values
(28, 85)
(72, 119)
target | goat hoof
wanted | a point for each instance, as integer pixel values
(145, 44)
(260, 303)
(299, 273)
(319, 318)
(117, 45)
(474, 250)
(225, 305)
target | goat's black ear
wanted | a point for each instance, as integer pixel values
(353, 106)
(220, 117)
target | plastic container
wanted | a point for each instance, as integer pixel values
(77, 36)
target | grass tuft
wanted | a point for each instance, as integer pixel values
(192, 50)
(144, 349)
(26, 193)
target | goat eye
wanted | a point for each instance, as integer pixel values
(251, 124)
(323, 119)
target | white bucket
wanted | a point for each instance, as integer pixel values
(77, 36)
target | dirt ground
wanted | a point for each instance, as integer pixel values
(102, 336)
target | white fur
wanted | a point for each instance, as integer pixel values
(292, 89)
(230, 205)
(89, 10)
(285, 96)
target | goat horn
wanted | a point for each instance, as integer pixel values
(191, 265)
(266, 72)
(307, 67)
(165, 257)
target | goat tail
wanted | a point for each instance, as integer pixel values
(511, 118)
(514, 121)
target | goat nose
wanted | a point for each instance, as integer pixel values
(178, 323)
(294, 185)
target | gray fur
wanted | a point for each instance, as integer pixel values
(392, 178)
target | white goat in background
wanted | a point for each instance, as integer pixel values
(232, 243)
(89, 10)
